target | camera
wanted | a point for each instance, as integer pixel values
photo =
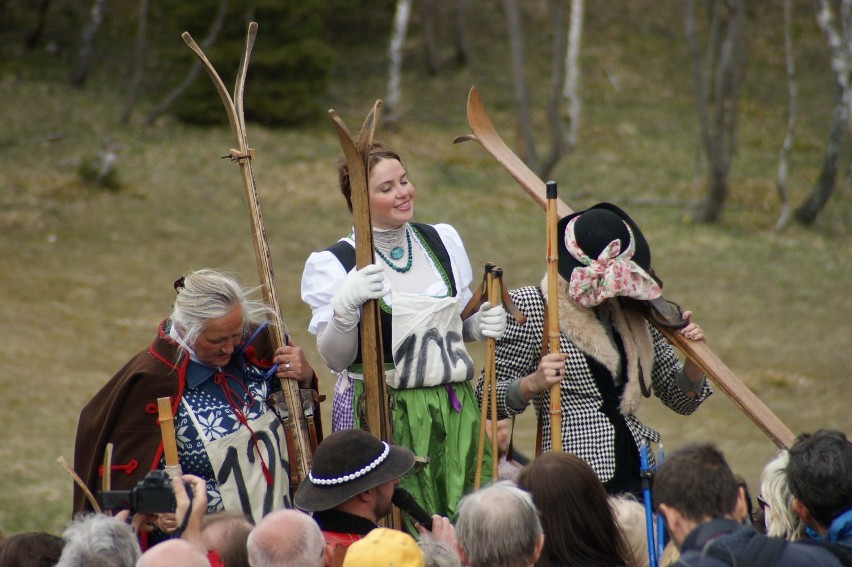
(152, 495)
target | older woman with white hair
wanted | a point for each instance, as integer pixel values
(212, 357)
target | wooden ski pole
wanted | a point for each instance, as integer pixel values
(297, 422)
(487, 406)
(495, 289)
(553, 332)
(167, 430)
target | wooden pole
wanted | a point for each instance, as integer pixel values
(488, 392)
(167, 430)
(495, 285)
(553, 332)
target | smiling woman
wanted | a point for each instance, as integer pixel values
(421, 278)
(211, 356)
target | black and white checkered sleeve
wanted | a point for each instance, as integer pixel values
(519, 350)
(664, 378)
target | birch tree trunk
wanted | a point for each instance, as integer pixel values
(139, 64)
(570, 91)
(194, 69)
(840, 46)
(717, 112)
(397, 41)
(783, 154)
(87, 44)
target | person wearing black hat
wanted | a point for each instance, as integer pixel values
(351, 483)
(610, 357)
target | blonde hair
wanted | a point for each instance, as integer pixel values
(630, 517)
(778, 515)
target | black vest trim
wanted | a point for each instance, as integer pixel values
(345, 254)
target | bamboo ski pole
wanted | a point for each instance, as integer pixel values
(553, 332)
(297, 421)
(167, 430)
(494, 295)
(487, 406)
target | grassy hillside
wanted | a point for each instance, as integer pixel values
(86, 274)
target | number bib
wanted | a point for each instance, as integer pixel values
(428, 346)
(238, 471)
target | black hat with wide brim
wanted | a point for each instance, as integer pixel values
(347, 463)
(595, 228)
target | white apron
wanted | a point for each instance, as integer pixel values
(238, 470)
(428, 346)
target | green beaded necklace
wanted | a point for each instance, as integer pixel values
(394, 267)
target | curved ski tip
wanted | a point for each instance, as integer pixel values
(465, 138)
(187, 38)
(252, 27)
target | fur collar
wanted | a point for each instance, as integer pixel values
(580, 325)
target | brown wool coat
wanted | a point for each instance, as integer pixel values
(124, 412)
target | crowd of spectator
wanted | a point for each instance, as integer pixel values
(557, 512)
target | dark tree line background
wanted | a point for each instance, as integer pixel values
(291, 61)
(137, 44)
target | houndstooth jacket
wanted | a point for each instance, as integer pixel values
(586, 432)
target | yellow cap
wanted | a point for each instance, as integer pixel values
(383, 547)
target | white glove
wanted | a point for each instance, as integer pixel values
(488, 322)
(359, 287)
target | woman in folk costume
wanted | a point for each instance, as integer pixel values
(212, 356)
(421, 277)
(609, 355)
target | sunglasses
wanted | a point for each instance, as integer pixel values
(761, 502)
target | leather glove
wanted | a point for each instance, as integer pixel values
(488, 322)
(359, 287)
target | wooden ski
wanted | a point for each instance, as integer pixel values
(357, 154)
(722, 377)
(299, 417)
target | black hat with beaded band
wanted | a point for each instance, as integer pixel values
(595, 229)
(347, 463)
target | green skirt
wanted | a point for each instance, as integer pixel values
(425, 422)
